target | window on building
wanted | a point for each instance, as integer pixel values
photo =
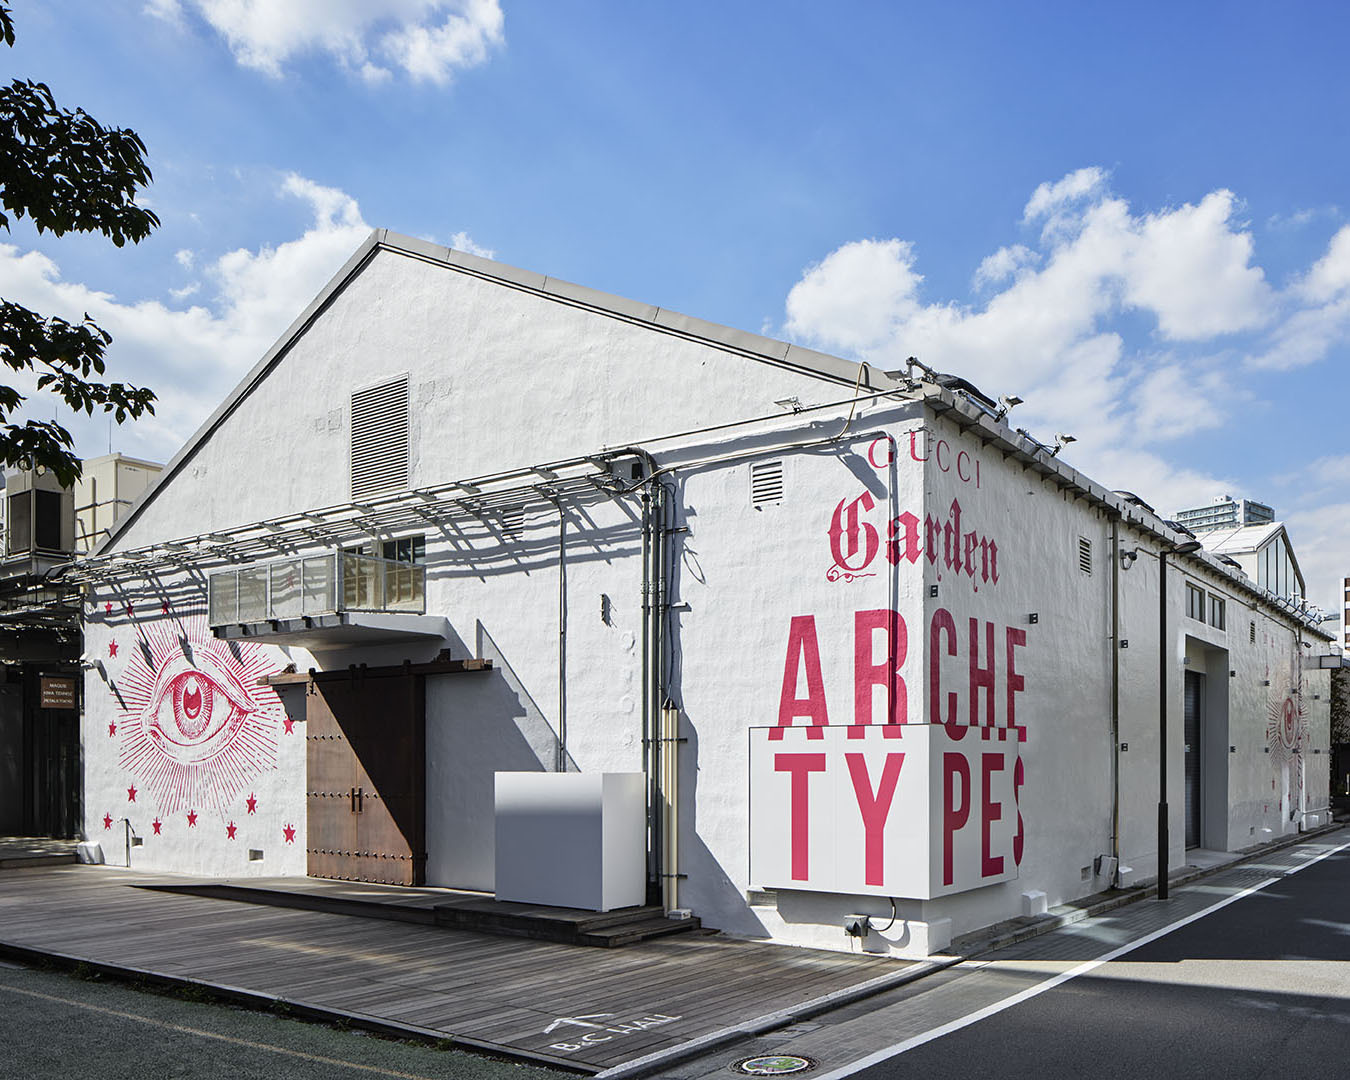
(408, 549)
(1216, 611)
(1195, 602)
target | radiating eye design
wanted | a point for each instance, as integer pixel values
(194, 712)
(1289, 730)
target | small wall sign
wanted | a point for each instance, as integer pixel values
(56, 693)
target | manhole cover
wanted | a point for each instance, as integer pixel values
(774, 1065)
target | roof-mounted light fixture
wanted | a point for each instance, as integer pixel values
(1062, 439)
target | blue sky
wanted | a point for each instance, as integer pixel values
(1136, 219)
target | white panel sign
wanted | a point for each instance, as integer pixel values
(897, 810)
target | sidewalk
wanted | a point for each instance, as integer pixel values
(583, 1009)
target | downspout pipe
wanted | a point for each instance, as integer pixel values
(562, 637)
(1115, 690)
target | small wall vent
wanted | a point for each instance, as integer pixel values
(379, 438)
(1251, 633)
(1085, 555)
(766, 483)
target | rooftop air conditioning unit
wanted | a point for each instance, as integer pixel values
(39, 513)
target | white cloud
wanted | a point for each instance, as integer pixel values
(184, 258)
(1192, 269)
(1057, 313)
(426, 39)
(857, 296)
(192, 357)
(462, 241)
(1330, 275)
(186, 291)
(1003, 264)
(1050, 198)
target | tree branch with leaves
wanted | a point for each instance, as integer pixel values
(65, 172)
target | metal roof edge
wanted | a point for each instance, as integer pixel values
(996, 431)
(778, 353)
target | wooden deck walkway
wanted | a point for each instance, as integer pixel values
(586, 1009)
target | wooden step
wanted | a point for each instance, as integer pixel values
(481, 914)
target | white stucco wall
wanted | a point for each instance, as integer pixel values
(500, 378)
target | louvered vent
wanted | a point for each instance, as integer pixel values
(380, 439)
(1251, 636)
(766, 483)
(1085, 554)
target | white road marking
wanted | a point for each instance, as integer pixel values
(317, 1058)
(896, 1049)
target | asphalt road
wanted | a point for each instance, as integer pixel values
(61, 1027)
(1257, 989)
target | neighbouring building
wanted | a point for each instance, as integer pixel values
(841, 637)
(105, 491)
(1225, 512)
(1263, 553)
(44, 525)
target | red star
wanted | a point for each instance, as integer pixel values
(289, 725)
(229, 830)
(252, 804)
(164, 607)
(108, 609)
(107, 821)
(112, 728)
(112, 648)
(130, 612)
(156, 825)
(131, 793)
(289, 832)
(192, 819)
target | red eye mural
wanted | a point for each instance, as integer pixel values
(1287, 737)
(197, 729)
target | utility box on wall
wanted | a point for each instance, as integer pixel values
(39, 513)
(571, 839)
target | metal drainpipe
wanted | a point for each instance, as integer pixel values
(1115, 691)
(562, 638)
(658, 596)
(648, 736)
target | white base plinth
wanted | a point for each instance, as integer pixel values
(571, 839)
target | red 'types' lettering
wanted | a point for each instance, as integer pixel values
(874, 809)
(800, 766)
(954, 813)
(1019, 777)
(990, 811)
(803, 650)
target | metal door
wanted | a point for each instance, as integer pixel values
(366, 797)
(1194, 700)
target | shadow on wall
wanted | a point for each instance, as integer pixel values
(717, 892)
(476, 727)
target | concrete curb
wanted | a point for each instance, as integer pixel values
(793, 1014)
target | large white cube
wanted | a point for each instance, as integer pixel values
(573, 840)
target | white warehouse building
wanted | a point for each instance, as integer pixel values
(867, 650)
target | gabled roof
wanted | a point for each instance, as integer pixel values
(779, 354)
(1241, 539)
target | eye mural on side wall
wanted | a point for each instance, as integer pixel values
(196, 729)
(1287, 738)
